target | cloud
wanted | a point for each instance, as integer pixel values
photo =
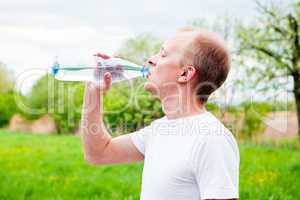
(33, 32)
(24, 48)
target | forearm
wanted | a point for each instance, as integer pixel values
(95, 136)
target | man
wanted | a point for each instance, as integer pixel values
(188, 154)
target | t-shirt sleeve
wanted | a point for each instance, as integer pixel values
(215, 164)
(141, 138)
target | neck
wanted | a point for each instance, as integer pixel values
(182, 104)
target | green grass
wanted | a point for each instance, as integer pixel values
(52, 167)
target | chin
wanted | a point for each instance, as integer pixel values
(151, 87)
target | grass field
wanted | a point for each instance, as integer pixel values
(52, 167)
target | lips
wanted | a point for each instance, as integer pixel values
(148, 75)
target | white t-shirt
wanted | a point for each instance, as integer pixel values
(193, 157)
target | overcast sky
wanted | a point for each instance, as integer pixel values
(33, 32)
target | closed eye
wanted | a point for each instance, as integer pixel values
(163, 52)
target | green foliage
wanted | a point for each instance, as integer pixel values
(140, 48)
(6, 79)
(254, 112)
(252, 115)
(133, 107)
(52, 167)
(211, 107)
(63, 100)
(127, 106)
(269, 49)
(277, 106)
(7, 107)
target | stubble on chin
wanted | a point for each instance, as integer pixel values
(152, 88)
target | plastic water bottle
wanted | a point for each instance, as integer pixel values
(120, 70)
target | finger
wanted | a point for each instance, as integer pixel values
(102, 55)
(107, 80)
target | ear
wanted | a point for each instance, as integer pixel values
(188, 73)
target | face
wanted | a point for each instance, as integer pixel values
(165, 66)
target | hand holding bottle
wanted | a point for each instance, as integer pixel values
(105, 84)
(93, 98)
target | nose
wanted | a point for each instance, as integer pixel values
(152, 61)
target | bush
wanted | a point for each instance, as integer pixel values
(132, 108)
(126, 108)
(7, 107)
(62, 100)
(254, 112)
(6, 79)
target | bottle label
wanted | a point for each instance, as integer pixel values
(117, 72)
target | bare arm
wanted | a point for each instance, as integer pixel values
(98, 145)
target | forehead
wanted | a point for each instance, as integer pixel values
(178, 41)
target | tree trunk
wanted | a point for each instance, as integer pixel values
(297, 99)
(296, 92)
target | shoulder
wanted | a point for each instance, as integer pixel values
(214, 140)
(215, 136)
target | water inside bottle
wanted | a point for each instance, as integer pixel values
(96, 74)
(119, 69)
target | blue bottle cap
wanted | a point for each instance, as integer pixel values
(144, 71)
(55, 68)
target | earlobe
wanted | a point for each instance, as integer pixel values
(181, 79)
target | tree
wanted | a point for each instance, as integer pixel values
(273, 48)
(61, 99)
(8, 107)
(8, 96)
(235, 86)
(6, 79)
(139, 48)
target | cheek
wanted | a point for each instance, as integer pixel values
(167, 69)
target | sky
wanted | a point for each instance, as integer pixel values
(34, 32)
